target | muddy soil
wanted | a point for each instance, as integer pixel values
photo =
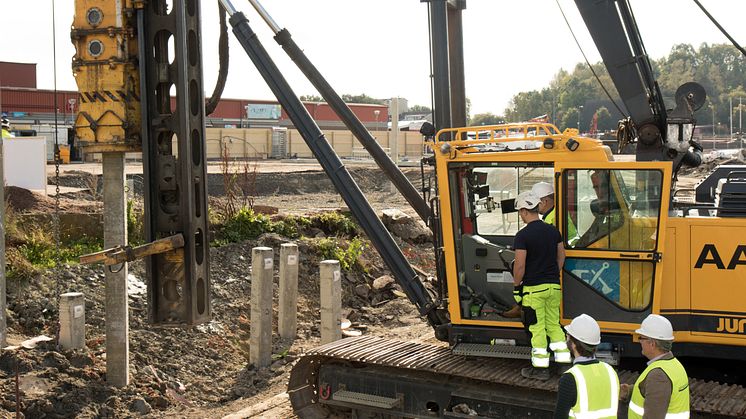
(25, 201)
(191, 372)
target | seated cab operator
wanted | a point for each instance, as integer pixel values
(545, 192)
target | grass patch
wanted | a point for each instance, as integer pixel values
(40, 252)
(32, 248)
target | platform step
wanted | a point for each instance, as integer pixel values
(366, 399)
(517, 352)
(492, 351)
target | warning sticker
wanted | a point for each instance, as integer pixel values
(292, 259)
(268, 263)
(499, 277)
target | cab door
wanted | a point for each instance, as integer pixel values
(612, 216)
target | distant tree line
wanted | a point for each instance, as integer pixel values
(347, 98)
(576, 96)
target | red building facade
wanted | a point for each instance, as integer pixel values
(30, 104)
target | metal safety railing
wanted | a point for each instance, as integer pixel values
(489, 134)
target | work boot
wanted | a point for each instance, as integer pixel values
(541, 374)
(513, 313)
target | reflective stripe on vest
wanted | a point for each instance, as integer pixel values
(678, 407)
(639, 411)
(598, 391)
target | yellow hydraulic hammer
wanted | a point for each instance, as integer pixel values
(105, 67)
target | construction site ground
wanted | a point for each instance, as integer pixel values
(201, 371)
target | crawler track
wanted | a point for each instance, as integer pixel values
(429, 380)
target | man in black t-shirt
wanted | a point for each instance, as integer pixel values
(539, 256)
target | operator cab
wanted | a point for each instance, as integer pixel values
(609, 214)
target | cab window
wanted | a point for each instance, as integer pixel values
(612, 209)
(505, 183)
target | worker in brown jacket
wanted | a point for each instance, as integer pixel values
(662, 390)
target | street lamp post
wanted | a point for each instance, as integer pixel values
(713, 121)
(580, 111)
(712, 107)
(731, 120)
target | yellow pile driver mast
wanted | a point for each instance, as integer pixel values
(138, 67)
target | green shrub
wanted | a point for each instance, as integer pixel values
(335, 223)
(287, 227)
(347, 252)
(245, 225)
(135, 228)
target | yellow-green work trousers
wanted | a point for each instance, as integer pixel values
(541, 311)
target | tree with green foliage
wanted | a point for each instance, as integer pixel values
(419, 109)
(311, 98)
(570, 119)
(347, 98)
(719, 68)
(362, 98)
(486, 119)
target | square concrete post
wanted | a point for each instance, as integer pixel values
(72, 321)
(288, 304)
(115, 234)
(260, 342)
(331, 301)
(394, 139)
(3, 321)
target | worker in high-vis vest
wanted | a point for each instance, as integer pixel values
(590, 389)
(662, 390)
(539, 256)
(6, 128)
(545, 192)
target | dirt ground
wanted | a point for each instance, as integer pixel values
(201, 371)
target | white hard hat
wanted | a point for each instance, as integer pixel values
(542, 189)
(584, 329)
(656, 327)
(526, 200)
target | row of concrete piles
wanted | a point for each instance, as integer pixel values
(262, 259)
(72, 305)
